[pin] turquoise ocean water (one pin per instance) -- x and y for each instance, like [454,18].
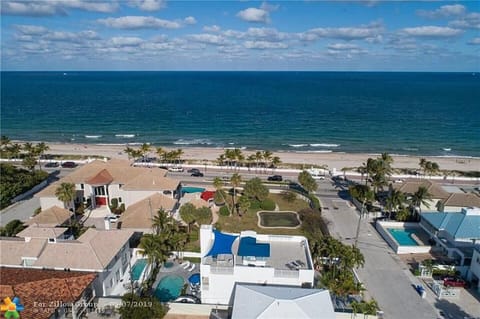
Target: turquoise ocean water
[400,113]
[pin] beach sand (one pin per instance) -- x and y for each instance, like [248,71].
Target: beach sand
[330,160]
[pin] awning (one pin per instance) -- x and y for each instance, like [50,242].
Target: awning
[222,244]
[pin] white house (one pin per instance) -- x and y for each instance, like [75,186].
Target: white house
[249,257]
[99,182]
[106,253]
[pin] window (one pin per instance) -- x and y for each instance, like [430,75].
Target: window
[99,191]
[82,186]
[119,199]
[120,185]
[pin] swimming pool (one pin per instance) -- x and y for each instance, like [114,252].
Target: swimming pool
[169,288]
[189,189]
[403,236]
[138,268]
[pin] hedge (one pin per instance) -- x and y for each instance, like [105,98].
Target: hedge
[224,211]
[267,204]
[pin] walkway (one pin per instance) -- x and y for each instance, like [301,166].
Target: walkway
[385,277]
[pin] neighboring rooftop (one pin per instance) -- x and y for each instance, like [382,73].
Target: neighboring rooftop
[34,231]
[464,225]
[140,214]
[262,302]
[54,216]
[43,287]
[411,187]
[462,200]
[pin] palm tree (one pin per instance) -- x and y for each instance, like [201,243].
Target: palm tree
[421,197]
[275,162]
[161,153]
[250,160]
[129,151]
[145,149]
[230,156]
[422,164]
[243,203]
[258,158]
[235,180]
[395,200]
[239,157]
[221,159]
[161,221]
[218,185]
[40,149]
[178,155]
[267,156]
[65,193]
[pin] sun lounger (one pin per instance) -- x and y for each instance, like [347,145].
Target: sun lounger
[192,267]
[301,263]
[295,264]
[185,265]
[292,266]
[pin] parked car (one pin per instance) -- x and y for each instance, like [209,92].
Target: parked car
[454,282]
[197,174]
[175,169]
[276,178]
[193,170]
[187,299]
[69,165]
[52,164]
[163,167]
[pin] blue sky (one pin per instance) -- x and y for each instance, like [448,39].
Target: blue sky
[337,35]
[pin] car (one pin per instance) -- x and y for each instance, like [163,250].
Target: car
[454,282]
[193,170]
[197,174]
[187,299]
[163,167]
[52,164]
[175,169]
[69,165]
[276,178]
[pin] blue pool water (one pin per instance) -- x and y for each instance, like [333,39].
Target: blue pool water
[169,288]
[138,268]
[189,189]
[403,236]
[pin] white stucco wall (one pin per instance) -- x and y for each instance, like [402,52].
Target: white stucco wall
[48,202]
[112,268]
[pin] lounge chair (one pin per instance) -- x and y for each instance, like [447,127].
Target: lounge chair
[301,263]
[192,267]
[290,266]
[295,264]
[185,264]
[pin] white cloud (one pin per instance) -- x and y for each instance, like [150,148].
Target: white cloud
[264,45]
[139,22]
[431,32]
[347,33]
[342,46]
[31,29]
[208,38]
[126,41]
[474,41]
[265,33]
[469,21]
[213,28]
[190,20]
[269,7]
[54,7]
[443,12]
[147,5]
[254,15]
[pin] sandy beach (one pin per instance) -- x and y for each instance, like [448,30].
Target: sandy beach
[330,160]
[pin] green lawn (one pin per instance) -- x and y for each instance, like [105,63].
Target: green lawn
[249,221]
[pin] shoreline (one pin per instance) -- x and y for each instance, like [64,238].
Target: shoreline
[331,160]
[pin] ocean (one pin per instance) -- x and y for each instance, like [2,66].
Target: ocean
[436,114]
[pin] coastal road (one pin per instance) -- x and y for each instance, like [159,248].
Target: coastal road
[385,277]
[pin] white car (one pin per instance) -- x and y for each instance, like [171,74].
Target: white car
[175,169]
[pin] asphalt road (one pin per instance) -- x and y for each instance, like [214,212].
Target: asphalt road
[385,277]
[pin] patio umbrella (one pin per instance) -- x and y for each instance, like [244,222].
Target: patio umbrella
[194,279]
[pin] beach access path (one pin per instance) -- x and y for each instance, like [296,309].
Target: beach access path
[385,277]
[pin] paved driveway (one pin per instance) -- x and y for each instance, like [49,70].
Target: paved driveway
[385,277]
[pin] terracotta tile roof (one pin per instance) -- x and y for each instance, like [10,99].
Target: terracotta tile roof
[102,178]
[34,231]
[412,186]
[463,200]
[138,216]
[151,179]
[54,216]
[48,287]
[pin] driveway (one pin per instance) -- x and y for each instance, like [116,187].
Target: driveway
[385,277]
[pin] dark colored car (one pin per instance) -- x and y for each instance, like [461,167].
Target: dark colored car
[52,164]
[454,282]
[69,165]
[193,170]
[276,178]
[197,174]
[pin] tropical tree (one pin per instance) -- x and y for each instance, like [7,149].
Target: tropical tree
[221,159]
[423,163]
[129,151]
[307,181]
[219,192]
[203,215]
[12,228]
[162,222]
[255,189]
[275,162]
[395,200]
[250,160]
[421,197]
[29,162]
[131,310]
[65,193]
[258,157]
[235,180]
[267,157]
[187,213]
[243,204]
[40,150]
[145,149]
[161,153]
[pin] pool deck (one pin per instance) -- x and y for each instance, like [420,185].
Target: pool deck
[177,270]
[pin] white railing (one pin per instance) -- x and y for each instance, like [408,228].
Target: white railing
[221,270]
[286,273]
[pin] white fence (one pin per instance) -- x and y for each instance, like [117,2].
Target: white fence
[400,249]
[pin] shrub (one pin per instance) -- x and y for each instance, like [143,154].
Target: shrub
[267,204]
[224,211]
[289,196]
[114,203]
[315,203]
[254,204]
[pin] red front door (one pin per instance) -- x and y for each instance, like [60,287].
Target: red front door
[100,201]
